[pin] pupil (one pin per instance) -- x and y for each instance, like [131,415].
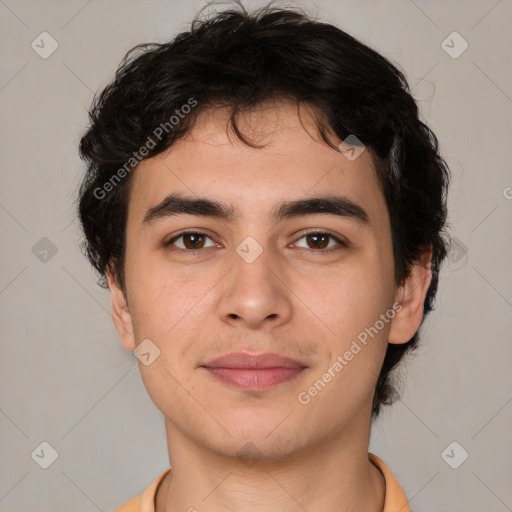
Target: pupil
[194,237]
[316,237]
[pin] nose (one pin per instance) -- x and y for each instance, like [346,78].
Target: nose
[255,294]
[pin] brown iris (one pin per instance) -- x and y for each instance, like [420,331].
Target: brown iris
[195,240]
[316,237]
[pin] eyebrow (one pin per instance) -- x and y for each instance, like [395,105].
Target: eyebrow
[176,204]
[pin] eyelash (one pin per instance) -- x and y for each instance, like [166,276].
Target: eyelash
[168,245]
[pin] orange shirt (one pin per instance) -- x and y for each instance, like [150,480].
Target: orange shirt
[395,500]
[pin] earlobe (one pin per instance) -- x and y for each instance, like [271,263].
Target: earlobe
[121,315]
[411,295]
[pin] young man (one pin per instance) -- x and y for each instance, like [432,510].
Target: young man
[267,211]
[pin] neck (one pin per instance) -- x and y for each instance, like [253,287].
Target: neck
[331,475]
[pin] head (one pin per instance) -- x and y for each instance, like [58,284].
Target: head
[248,110]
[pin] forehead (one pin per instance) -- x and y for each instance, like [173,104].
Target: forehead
[293,164]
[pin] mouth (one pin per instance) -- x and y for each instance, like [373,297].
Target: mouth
[254,372]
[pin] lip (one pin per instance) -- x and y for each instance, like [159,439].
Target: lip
[254,372]
[243,360]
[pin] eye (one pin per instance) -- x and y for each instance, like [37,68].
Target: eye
[192,240]
[319,240]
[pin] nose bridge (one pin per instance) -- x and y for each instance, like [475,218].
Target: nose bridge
[251,269]
[254,292]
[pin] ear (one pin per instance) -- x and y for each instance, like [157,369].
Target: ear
[120,312]
[411,295]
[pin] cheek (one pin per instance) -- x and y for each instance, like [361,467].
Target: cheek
[358,339]
[165,297]
[353,298]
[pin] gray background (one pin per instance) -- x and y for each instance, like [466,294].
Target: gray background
[65,378]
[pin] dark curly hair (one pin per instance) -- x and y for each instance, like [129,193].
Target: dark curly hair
[240,59]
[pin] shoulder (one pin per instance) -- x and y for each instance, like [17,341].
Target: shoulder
[144,502]
[134,505]
[395,499]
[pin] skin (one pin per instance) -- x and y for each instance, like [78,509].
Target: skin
[293,299]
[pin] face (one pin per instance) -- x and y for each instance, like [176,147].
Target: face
[263,269]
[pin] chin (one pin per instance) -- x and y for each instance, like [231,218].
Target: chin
[257,442]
